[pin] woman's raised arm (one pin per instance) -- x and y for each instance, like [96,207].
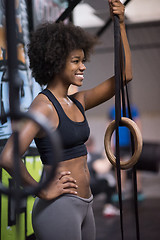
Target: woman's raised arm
[106,90]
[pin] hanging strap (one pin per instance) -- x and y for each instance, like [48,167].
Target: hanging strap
[108,22]
[134,174]
[125,97]
[119,91]
[118,112]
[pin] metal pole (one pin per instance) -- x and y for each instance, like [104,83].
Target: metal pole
[14,81]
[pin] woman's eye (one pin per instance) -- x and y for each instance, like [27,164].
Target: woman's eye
[75,61]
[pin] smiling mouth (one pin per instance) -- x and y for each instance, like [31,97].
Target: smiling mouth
[80,76]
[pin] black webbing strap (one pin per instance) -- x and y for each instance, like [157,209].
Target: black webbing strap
[134,175]
[118,111]
[108,22]
[125,97]
[68,10]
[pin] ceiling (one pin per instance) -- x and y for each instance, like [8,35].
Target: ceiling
[94,13]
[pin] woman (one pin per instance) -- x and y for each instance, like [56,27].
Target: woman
[63,210]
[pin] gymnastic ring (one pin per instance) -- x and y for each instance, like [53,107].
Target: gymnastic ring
[137,140]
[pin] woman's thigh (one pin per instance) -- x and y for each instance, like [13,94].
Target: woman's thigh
[88,226]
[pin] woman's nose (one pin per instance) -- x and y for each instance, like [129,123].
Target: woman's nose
[82,67]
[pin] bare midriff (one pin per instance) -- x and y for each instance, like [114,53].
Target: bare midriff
[79,171]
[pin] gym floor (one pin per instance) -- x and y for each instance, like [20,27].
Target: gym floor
[149,214]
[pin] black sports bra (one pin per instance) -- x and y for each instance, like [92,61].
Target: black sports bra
[73,134]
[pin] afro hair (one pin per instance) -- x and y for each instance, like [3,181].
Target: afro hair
[50,46]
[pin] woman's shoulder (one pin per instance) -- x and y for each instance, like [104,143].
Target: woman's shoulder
[41,104]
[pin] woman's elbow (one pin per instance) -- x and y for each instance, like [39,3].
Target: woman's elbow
[5,162]
[129,76]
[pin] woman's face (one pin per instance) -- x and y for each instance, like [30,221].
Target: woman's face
[74,69]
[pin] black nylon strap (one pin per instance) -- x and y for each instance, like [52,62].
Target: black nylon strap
[108,22]
[134,174]
[125,97]
[118,112]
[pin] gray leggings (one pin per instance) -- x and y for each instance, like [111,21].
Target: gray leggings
[69,217]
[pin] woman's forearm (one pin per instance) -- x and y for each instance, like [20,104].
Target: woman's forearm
[127,52]
[26,178]
[7,162]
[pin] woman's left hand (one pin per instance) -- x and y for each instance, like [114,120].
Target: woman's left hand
[116,7]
